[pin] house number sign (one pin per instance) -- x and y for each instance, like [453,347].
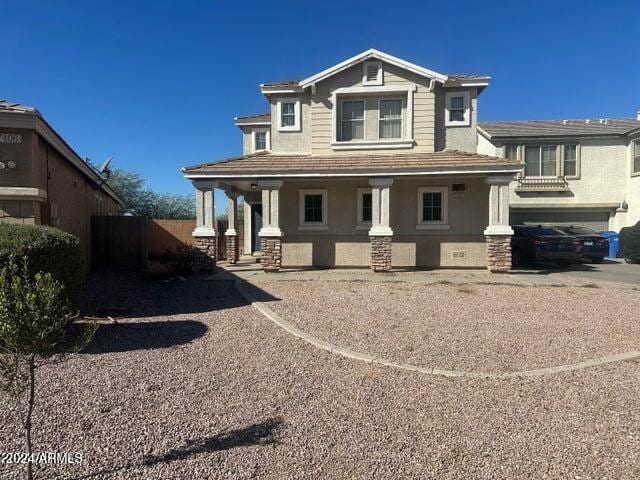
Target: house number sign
[10,138]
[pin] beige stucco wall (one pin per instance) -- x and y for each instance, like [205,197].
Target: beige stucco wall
[485,147]
[291,141]
[633,187]
[342,244]
[462,137]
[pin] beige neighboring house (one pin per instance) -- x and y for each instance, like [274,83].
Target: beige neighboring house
[577,172]
[371,162]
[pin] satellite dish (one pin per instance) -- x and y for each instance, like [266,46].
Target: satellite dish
[104,168]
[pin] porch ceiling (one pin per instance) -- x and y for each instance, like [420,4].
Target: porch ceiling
[270,165]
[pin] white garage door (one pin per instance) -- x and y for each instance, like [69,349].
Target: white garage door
[596,219]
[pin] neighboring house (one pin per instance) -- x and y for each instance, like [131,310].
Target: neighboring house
[371,162]
[579,172]
[43,181]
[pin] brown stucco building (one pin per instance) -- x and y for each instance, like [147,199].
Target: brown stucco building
[43,181]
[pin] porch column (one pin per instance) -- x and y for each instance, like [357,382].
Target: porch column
[205,233]
[498,233]
[380,234]
[270,233]
[232,246]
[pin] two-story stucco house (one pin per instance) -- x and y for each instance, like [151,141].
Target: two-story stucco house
[580,172]
[371,162]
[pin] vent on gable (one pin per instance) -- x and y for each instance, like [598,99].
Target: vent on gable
[458,254]
[372,73]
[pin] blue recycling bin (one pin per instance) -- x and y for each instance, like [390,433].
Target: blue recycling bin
[613,243]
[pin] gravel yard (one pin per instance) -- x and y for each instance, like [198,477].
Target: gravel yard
[194,383]
[488,328]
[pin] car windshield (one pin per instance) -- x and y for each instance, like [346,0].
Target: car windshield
[579,230]
[543,231]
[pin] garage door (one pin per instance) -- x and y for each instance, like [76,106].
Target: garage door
[598,220]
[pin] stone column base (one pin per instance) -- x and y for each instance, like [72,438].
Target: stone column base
[380,254]
[271,253]
[499,253]
[205,259]
[232,249]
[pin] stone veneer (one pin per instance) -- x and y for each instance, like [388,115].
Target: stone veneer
[232,249]
[380,254]
[498,253]
[270,253]
[205,259]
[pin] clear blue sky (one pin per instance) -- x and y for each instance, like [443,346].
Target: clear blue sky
[156,83]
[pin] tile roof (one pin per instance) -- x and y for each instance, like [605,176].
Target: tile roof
[284,83]
[249,119]
[457,77]
[560,128]
[7,106]
[266,163]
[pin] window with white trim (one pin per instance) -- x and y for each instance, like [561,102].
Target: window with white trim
[636,156]
[372,73]
[352,120]
[511,152]
[288,110]
[390,118]
[570,161]
[365,207]
[457,109]
[540,161]
[313,209]
[260,139]
[433,206]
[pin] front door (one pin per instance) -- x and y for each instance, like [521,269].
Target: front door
[256,225]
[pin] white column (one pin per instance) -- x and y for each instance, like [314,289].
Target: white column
[270,208]
[380,188]
[205,209]
[499,205]
[232,215]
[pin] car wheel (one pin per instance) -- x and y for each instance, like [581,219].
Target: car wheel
[597,260]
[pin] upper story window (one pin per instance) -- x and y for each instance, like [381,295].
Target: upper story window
[540,161]
[390,119]
[372,73]
[636,156]
[288,114]
[432,207]
[457,109]
[260,140]
[352,123]
[511,152]
[313,209]
[570,161]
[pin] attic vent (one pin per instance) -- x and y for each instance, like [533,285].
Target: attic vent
[372,73]
[458,254]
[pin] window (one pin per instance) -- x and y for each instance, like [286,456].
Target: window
[352,124]
[260,139]
[390,119]
[540,161]
[313,210]
[365,204]
[432,207]
[288,114]
[570,161]
[372,73]
[511,152]
[457,109]
[636,156]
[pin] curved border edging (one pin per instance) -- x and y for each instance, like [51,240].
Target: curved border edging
[363,357]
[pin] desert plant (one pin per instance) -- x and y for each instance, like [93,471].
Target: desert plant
[35,317]
[180,262]
[47,250]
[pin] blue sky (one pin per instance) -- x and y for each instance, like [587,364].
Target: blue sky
[157,83]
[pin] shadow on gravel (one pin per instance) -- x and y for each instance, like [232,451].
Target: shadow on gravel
[263,433]
[125,337]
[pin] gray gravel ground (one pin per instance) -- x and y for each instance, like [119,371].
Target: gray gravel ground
[488,328]
[220,392]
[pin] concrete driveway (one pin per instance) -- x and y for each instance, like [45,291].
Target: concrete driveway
[608,271]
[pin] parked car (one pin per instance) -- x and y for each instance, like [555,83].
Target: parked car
[592,245]
[629,244]
[530,244]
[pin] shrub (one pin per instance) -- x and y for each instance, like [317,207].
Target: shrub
[180,262]
[48,250]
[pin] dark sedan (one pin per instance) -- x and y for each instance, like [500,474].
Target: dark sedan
[531,244]
[592,245]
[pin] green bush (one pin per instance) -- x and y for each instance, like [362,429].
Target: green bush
[47,250]
[180,262]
